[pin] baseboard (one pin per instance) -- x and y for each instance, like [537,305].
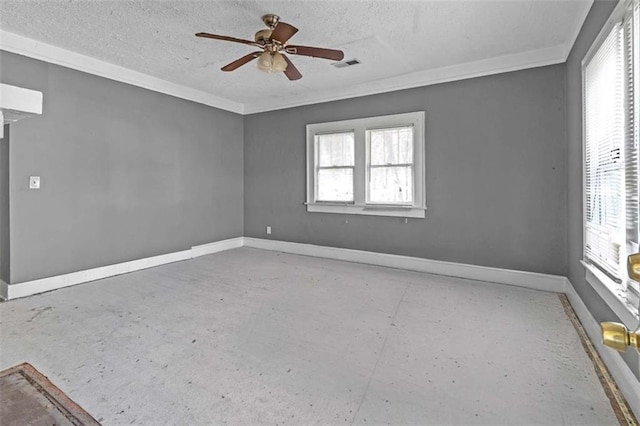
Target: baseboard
[4,292]
[620,371]
[29,288]
[622,374]
[217,246]
[531,280]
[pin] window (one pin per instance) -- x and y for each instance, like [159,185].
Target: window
[611,108]
[371,166]
[335,167]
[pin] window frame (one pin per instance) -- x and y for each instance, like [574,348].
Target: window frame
[612,292]
[360,127]
[370,166]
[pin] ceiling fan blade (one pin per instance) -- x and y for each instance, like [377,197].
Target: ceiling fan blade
[283,32]
[240,62]
[291,72]
[316,52]
[227,38]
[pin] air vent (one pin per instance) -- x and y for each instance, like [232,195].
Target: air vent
[347,63]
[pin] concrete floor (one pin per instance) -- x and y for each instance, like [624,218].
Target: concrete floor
[250,336]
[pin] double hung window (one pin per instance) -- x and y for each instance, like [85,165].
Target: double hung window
[371,166]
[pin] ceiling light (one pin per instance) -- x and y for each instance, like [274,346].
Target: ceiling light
[272,62]
[265,62]
[279,63]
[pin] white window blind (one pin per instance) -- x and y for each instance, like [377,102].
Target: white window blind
[604,140]
[335,162]
[611,172]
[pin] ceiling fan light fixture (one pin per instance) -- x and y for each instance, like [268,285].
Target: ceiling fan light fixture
[279,63]
[265,62]
[272,62]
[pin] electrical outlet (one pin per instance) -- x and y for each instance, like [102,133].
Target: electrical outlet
[268,230]
[34,182]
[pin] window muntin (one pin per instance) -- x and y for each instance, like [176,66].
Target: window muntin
[385,175]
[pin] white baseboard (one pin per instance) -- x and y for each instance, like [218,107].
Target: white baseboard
[532,280]
[29,288]
[620,371]
[622,374]
[4,292]
[217,246]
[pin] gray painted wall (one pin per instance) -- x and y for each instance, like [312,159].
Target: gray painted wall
[495,174]
[127,173]
[4,207]
[598,15]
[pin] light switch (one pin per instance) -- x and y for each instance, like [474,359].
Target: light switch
[34,182]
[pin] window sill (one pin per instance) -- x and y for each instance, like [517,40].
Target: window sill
[371,210]
[610,293]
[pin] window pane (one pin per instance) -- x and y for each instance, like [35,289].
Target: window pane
[335,184]
[392,185]
[391,146]
[336,149]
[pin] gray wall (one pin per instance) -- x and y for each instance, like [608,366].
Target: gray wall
[495,174]
[4,207]
[127,173]
[595,20]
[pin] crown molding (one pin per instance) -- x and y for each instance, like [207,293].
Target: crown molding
[497,65]
[575,31]
[31,48]
[25,46]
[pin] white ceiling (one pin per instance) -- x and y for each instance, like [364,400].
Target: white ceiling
[400,43]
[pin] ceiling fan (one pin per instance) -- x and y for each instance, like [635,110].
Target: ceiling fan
[273,42]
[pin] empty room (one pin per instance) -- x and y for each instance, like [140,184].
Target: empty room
[330,212]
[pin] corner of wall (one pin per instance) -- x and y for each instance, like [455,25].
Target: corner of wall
[5,237]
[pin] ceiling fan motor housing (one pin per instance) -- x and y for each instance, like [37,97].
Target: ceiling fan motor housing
[263,36]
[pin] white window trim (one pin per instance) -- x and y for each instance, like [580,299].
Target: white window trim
[359,206]
[608,289]
[609,292]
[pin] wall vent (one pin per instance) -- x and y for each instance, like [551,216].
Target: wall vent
[347,63]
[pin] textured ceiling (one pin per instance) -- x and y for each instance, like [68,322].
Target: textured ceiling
[391,38]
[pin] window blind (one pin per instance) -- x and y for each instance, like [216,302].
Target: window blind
[604,78]
[611,111]
[631,153]
[335,164]
[632,67]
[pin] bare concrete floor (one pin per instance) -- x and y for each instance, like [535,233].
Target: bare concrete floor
[249,336]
